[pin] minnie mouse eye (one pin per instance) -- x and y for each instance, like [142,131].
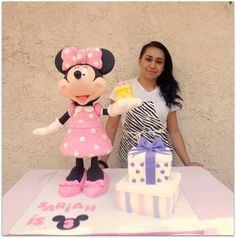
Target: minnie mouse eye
[84,72]
[77,74]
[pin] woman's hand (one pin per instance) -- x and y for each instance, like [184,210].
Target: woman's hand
[195,164]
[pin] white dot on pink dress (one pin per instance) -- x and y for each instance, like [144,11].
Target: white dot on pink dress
[91,116]
[82,139]
[96,147]
[93,130]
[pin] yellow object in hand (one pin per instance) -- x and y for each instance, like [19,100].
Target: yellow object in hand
[123,91]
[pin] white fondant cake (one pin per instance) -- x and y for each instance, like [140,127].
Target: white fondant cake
[150,187]
[156,200]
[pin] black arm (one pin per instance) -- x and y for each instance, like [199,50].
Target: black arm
[105,111]
[64,118]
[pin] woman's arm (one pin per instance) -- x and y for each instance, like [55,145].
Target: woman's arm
[111,129]
[177,140]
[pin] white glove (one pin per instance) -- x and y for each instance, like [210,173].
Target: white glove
[123,105]
[52,128]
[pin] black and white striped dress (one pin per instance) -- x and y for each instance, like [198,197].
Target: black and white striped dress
[147,120]
[141,121]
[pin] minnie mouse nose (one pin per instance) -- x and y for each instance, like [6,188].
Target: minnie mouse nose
[77,74]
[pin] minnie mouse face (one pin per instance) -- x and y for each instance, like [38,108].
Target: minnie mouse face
[83,83]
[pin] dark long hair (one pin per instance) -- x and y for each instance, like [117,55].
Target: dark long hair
[168,85]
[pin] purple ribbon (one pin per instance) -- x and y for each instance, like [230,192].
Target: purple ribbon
[156,146]
[151,149]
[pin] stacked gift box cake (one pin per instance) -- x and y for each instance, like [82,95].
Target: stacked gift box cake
[150,187]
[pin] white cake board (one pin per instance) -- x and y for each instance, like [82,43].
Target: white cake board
[104,218]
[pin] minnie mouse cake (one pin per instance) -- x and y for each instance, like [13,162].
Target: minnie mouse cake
[66,204]
[83,84]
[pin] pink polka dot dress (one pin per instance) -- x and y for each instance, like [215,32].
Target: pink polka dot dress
[86,135]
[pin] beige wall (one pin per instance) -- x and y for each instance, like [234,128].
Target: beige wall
[199,36]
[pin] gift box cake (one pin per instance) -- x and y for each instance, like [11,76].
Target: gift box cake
[150,187]
[149,163]
[122,90]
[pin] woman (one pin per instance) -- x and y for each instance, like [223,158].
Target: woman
[156,116]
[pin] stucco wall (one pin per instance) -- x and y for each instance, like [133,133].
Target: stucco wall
[199,36]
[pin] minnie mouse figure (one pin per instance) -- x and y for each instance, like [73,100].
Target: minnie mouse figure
[83,84]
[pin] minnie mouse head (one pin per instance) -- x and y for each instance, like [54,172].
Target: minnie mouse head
[83,73]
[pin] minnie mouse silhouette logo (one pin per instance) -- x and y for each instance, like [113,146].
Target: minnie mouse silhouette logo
[69,223]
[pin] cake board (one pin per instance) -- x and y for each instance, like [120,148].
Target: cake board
[103,216]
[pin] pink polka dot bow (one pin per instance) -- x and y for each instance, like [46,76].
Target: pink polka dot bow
[72,56]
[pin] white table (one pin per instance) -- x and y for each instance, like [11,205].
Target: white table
[211,201]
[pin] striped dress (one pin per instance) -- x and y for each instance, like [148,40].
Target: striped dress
[142,121]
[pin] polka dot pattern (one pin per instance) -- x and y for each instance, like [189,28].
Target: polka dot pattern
[72,56]
[86,135]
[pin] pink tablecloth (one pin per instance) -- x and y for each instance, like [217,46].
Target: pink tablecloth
[209,198]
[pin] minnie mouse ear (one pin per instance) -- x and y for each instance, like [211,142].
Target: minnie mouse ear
[58,62]
[108,61]
[58,218]
[82,217]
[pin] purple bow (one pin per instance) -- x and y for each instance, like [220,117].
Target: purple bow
[156,146]
[150,149]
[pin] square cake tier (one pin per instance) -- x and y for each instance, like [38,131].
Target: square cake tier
[155,200]
[149,167]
